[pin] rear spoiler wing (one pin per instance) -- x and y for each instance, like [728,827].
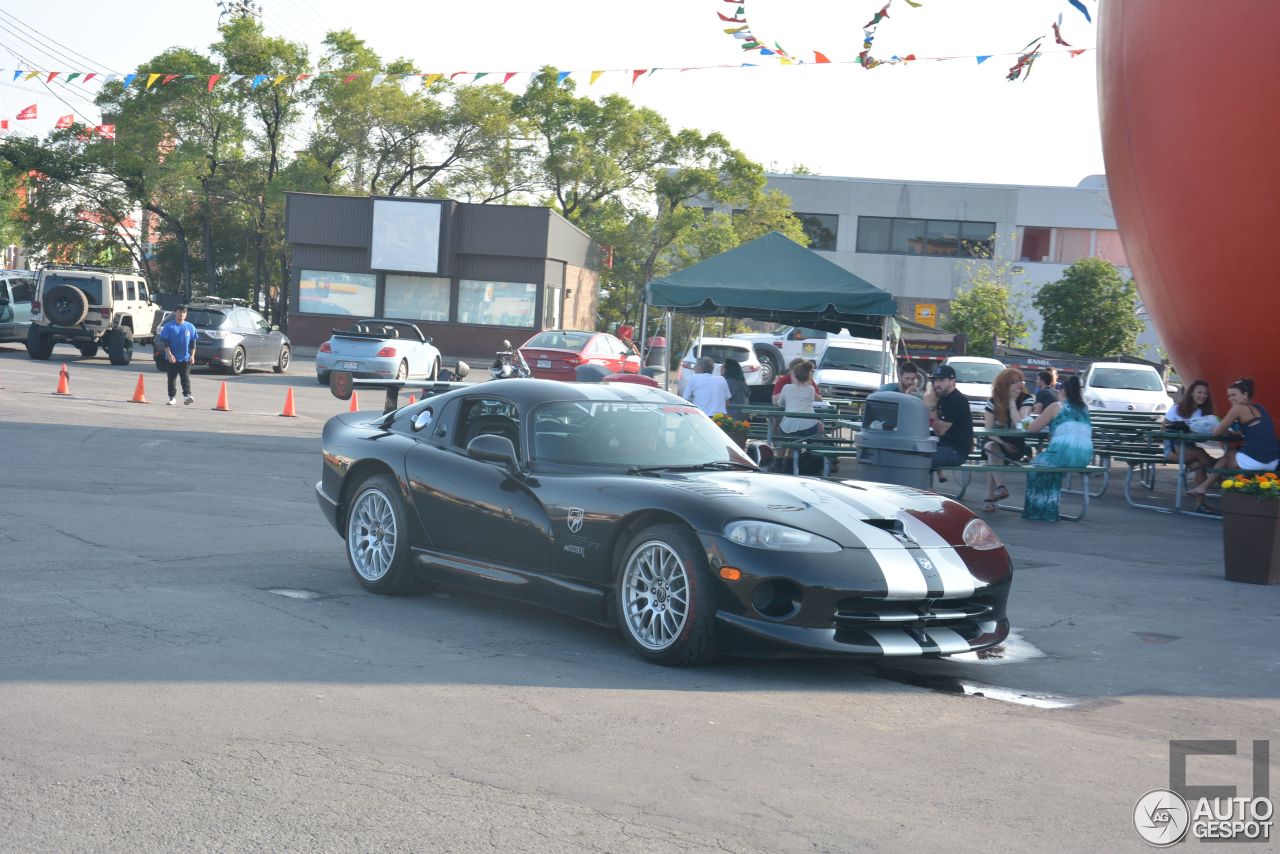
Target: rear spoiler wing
[343,385]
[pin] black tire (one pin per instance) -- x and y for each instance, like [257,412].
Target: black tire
[377,568]
[162,365]
[402,372]
[119,344]
[435,371]
[88,349]
[39,343]
[65,305]
[282,364]
[238,360]
[692,641]
[322,377]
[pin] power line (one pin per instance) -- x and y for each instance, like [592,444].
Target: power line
[95,66]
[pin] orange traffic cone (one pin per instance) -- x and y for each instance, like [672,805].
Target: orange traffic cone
[64,382]
[289,411]
[355,403]
[412,400]
[139,392]
[223,405]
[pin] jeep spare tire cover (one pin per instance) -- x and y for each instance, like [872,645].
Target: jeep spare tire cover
[66,305]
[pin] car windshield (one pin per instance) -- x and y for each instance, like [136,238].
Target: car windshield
[849,359]
[92,287]
[205,319]
[624,434]
[1126,378]
[976,372]
[721,352]
[560,340]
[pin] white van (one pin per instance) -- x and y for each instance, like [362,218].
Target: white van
[1125,387]
[852,366]
[974,376]
[16,289]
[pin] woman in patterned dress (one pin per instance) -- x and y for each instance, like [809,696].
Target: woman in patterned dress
[1071,445]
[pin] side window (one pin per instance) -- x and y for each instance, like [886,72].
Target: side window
[142,291]
[444,422]
[242,321]
[131,288]
[486,416]
[21,290]
[117,289]
[258,321]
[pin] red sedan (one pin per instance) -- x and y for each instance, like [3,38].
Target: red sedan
[557,353]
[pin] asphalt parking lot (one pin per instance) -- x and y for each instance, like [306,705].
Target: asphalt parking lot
[185,663]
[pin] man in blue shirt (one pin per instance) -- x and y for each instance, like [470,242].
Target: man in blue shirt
[178,337]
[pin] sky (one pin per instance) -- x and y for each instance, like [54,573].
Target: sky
[951,120]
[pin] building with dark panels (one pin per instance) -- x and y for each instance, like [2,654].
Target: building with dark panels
[467,275]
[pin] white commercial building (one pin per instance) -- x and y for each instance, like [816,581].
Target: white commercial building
[919,239]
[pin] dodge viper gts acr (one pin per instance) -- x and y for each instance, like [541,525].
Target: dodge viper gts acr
[625,505]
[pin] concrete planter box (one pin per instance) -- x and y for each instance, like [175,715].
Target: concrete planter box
[1251,539]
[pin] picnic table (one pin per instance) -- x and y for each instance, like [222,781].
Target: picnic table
[1181,440]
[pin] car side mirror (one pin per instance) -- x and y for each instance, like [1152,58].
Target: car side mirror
[1170,388]
[494,449]
[275,327]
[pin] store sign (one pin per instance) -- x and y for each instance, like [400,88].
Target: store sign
[927,313]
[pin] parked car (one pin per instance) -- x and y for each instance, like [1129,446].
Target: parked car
[379,349]
[622,504]
[852,366]
[974,376]
[722,349]
[1124,386]
[776,349]
[233,338]
[91,307]
[17,287]
[554,354]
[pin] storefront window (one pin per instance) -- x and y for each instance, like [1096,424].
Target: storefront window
[416,298]
[497,303]
[347,294]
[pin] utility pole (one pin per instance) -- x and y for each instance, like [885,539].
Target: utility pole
[238,9]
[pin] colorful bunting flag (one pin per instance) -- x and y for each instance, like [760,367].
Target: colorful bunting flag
[65,121]
[982,59]
[351,78]
[128,78]
[457,73]
[213,81]
[1083,10]
[31,74]
[52,74]
[428,79]
[16,75]
[595,75]
[637,74]
[1075,53]
[506,78]
[106,131]
[169,78]
[280,78]
[26,113]
[818,57]
[4,124]
[233,79]
[378,78]
[72,76]
[479,74]
[562,76]
[1057,35]
[151,80]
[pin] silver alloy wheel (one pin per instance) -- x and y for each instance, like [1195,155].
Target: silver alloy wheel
[371,535]
[285,355]
[237,361]
[655,595]
[402,372]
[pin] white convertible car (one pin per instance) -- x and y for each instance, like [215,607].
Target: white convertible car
[374,348]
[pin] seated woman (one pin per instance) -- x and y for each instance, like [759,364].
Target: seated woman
[1008,405]
[1196,402]
[1071,445]
[739,391]
[1260,451]
[797,396]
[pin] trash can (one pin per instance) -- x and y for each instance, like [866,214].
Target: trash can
[894,445]
[657,357]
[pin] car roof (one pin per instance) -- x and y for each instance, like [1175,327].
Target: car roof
[723,342]
[855,344]
[983,360]
[1128,366]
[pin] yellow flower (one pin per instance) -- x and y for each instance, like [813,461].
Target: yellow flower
[1228,484]
[1266,484]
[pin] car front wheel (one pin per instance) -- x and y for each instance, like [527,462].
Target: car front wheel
[378,537]
[665,598]
[283,364]
[119,343]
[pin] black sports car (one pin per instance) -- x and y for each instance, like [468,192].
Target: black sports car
[623,504]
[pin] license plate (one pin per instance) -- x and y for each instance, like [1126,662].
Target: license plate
[350,366]
[544,363]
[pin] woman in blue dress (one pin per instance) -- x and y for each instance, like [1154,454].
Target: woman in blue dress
[1071,445]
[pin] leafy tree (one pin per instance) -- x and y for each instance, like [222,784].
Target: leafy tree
[986,308]
[1091,311]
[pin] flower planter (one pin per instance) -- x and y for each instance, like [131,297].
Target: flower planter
[1251,538]
[738,436]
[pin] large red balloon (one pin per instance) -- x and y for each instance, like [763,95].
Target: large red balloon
[1190,100]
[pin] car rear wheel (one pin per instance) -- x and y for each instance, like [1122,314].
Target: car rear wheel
[161,364]
[322,377]
[377,537]
[237,361]
[402,372]
[283,364]
[665,598]
[435,371]
[39,343]
[88,350]
[119,344]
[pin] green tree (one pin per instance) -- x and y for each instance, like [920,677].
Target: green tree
[1091,311]
[987,306]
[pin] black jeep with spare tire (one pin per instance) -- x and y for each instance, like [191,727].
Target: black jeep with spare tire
[91,307]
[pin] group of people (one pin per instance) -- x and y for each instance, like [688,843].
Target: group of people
[714,393]
[1259,450]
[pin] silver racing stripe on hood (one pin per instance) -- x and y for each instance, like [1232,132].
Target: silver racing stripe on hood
[903,577]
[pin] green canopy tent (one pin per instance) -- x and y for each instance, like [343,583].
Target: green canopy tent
[774,278]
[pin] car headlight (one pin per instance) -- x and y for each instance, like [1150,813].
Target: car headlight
[979,535]
[768,535]
[825,389]
[1091,400]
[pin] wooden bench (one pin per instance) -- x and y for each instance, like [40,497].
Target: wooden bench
[969,469]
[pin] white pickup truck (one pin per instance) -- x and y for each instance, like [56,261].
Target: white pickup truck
[776,349]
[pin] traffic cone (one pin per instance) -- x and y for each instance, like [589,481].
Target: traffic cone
[289,411]
[412,400]
[64,382]
[139,392]
[355,403]
[222,405]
